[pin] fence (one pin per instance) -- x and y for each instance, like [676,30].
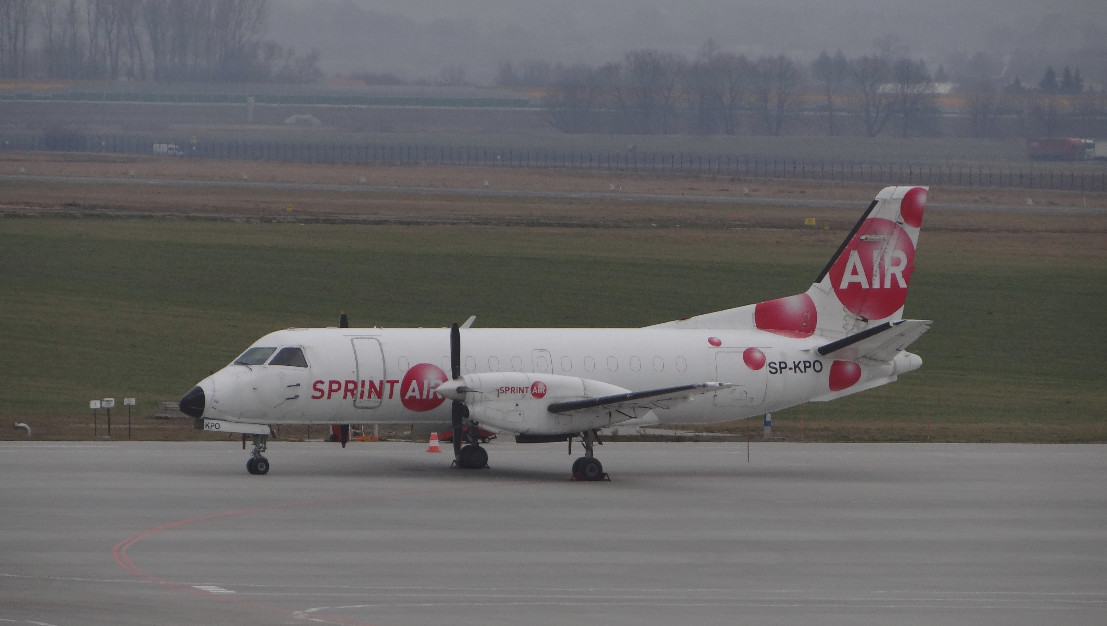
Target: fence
[1077,176]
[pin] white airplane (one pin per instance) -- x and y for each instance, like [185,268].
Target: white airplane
[845,334]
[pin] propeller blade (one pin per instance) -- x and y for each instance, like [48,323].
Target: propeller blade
[455,352]
[458,410]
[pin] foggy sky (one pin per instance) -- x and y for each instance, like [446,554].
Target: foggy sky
[416,39]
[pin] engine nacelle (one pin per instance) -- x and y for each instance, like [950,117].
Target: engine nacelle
[517,401]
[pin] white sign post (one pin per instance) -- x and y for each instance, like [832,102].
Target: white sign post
[94,404]
[108,403]
[128,402]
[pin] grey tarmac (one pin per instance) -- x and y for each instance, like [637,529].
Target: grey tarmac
[684,533]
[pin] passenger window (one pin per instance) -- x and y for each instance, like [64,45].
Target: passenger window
[290,357]
[255,356]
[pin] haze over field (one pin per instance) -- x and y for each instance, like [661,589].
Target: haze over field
[418,39]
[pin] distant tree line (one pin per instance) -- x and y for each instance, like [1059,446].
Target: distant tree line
[160,40]
[655,92]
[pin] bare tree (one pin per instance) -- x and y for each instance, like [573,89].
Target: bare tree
[870,73]
[650,90]
[982,104]
[982,97]
[579,95]
[157,24]
[136,54]
[831,74]
[719,84]
[237,25]
[109,20]
[706,88]
[912,94]
[15,23]
[775,80]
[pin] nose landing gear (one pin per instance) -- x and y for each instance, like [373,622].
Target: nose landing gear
[258,464]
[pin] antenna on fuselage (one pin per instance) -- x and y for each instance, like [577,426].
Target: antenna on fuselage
[343,322]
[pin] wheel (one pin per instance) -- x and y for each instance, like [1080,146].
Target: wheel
[257,466]
[473,457]
[588,468]
[576,466]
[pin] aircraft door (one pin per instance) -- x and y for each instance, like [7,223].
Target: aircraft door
[749,384]
[369,360]
[541,361]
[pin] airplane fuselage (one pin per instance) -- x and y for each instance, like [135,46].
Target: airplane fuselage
[389,376]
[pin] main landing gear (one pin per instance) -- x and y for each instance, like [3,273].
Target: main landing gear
[588,467]
[258,464]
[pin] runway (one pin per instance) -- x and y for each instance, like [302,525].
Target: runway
[386,534]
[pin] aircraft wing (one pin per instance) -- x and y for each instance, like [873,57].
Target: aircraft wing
[628,402]
[880,343]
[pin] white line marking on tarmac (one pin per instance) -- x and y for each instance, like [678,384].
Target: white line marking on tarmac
[214,589]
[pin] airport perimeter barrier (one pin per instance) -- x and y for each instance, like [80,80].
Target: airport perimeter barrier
[1089,176]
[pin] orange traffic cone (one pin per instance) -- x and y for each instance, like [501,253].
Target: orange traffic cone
[433,447]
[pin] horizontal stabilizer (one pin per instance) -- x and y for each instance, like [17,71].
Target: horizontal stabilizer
[635,399]
[880,343]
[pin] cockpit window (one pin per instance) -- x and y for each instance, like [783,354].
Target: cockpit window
[292,357]
[255,356]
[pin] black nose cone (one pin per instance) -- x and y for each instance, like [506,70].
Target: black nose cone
[193,403]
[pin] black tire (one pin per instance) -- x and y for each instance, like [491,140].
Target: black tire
[252,466]
[473,457]
[590,469]
[576,466]
[262,466]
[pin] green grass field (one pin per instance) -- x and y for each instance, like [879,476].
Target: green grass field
[97,308]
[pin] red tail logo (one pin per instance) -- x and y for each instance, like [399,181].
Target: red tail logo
[872,273]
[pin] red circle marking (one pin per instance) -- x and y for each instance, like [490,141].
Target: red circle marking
[844,374]
[873,271]
[754,358]
[715,341]
[912,205]
[538,389]
[794,316]
[417,388]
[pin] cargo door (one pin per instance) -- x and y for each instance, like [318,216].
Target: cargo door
[749,384]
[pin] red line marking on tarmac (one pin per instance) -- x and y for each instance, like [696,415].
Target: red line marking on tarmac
[123,559]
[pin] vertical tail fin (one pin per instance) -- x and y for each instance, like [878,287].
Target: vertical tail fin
[864,284]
